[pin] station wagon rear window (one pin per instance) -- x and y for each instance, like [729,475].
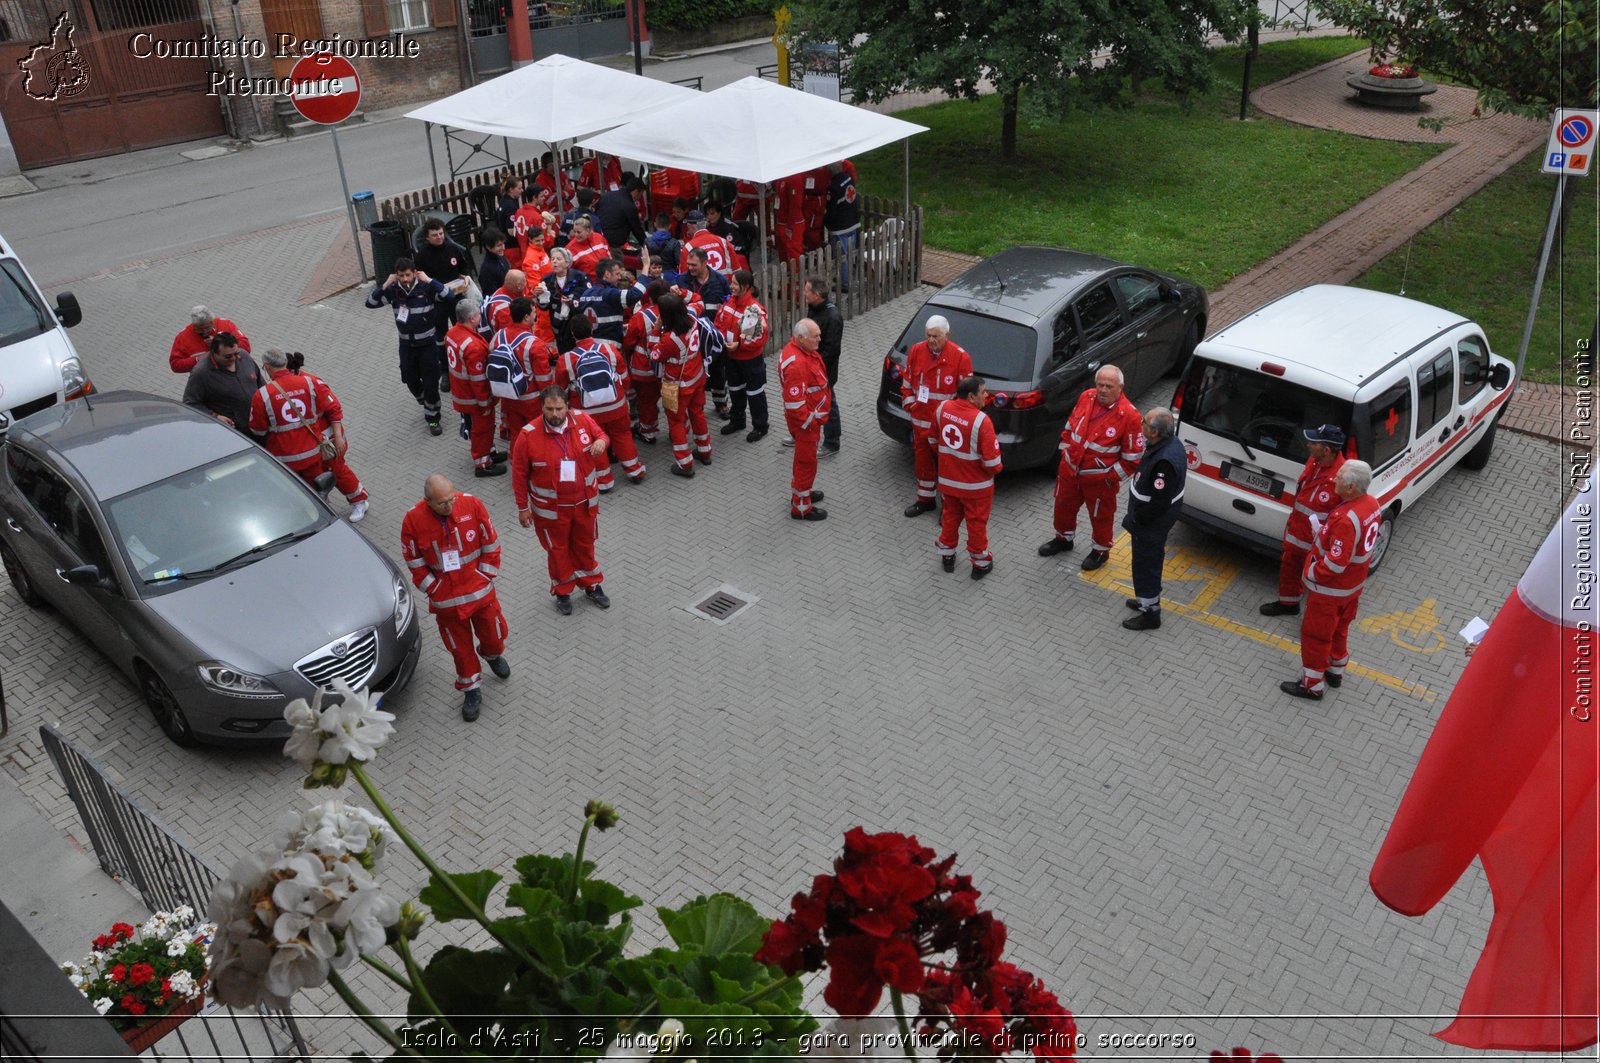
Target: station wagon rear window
[1000,350]
[1262,411]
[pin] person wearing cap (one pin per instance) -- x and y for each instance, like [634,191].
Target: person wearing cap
[1314,499]
[194,341]
[1335,572]
[1155,499]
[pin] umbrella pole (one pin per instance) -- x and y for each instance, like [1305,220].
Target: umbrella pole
[905,178]
[761,219]
[555,164]
[433,165]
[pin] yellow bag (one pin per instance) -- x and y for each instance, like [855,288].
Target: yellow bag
[669,395]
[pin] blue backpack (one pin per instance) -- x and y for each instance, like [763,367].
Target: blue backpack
[593,371]
[712,344]
[507,380]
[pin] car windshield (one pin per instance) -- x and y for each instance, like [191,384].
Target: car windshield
[1001,350]
[1261,411]
[21,316]
[212,517]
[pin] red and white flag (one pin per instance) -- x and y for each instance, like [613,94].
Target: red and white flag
[1509,775]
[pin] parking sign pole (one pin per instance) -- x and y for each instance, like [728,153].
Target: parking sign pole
[1538,277]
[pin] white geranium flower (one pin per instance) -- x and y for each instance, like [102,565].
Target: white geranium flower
[354,729]
[103,1005]
[177,947]
[304,742]
[183,914]
[238,978]
[183,984]
[335,829]
[364,918]
[294,966]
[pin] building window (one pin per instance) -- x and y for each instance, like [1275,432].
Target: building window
[407,15]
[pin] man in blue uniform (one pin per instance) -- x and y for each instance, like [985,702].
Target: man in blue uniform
[1154,502]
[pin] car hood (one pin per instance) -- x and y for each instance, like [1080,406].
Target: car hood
[265,616]
[30,368]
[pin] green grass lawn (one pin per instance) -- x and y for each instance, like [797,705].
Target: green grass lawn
[1197,193]
[1480,259]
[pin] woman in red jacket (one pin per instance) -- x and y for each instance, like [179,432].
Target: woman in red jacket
[296,412]
[677,351]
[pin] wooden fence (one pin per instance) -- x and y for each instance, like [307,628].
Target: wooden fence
[463,195]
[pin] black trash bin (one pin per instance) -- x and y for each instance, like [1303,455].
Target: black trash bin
[388,244]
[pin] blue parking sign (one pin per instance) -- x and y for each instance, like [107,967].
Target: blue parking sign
[1557,159]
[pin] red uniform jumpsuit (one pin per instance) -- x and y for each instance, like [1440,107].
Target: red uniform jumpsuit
[815,205]
[277,410]
[529,234]
[612,417]
[680,361]
[806,403]
[563,498]
[789,213]
[746,201]
[747,370]
[469,388]
[719,254]
[454,561]
[535,358]
[1100,448]
[927,380]
[188,347]
[547,200]
[1313,494]
[638,341]
[586,254]
[1335,572]
[591,177]
[969,458]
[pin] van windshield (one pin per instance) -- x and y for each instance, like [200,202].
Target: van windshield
[1000,350]
[1263,412]
[21,316]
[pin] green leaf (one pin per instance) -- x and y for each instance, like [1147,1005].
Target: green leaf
[721,923]
[603,899]
[535,900]
[469,986]
[549,872]
[443,903]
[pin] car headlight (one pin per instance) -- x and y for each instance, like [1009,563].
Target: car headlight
[402,604]
[226,679]
[73,382]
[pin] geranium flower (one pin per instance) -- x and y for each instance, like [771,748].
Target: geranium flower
[141,974]
[104,1004]
[352,729]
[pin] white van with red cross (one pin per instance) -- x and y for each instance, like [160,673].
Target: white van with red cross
[1415,388]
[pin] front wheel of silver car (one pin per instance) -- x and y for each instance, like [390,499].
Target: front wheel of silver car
[168,713]
[19,579]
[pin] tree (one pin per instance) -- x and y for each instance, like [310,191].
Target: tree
[1061,53]
[1523,56]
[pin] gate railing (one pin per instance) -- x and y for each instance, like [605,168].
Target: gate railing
[132,845]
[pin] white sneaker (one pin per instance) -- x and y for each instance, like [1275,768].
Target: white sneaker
[788,441]
[358,511]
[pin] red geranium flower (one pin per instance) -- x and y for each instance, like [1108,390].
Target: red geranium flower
[104,941]
[854,987]
[133,1005]
[141,974]
[122,930]
[118,973]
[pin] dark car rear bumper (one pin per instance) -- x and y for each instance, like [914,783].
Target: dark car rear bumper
[1024,444]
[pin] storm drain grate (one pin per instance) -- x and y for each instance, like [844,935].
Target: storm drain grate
[722,604]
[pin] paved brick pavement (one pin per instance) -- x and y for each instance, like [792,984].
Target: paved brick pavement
[1175,845]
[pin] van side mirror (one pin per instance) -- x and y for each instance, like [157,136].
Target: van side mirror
[67,310]
[1500,376]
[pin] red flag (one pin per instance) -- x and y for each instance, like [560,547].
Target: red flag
[1509,775]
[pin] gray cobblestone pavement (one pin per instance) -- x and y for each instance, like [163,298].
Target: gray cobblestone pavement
[1176,846]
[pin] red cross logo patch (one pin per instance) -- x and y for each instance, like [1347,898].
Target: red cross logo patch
[1391,422]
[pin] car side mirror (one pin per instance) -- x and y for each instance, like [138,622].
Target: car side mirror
[88,576]
[1500,376]
[1169,294]
[67,310]
[323,484]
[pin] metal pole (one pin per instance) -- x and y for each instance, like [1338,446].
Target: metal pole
[465,17]
[1538,277]
[638,43]
[238,30]
[761,218]
[555,163]
[905,177]
[1249,59]
[433,165]
[349,205]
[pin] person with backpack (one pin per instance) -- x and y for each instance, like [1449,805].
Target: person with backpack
[704,283]
[304,426]
[519,368]
[683,384]
[415,298]
[596,381]
[742,320]
[468,357]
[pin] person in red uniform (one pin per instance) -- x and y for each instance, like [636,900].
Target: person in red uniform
[933,369]
[604,400]
[1100,448]
[639,342]
[497,307]
[742,320]
[451,549]
[294,410]
[789,216]
[531,351]
[545,181]
[586,246]
[603,173]
[468,357]
[534,232]
[1314,496]
[746,201]
[678,353]
[814,205]
[969,459]
[720,255]
[555,469]
[1335,572]
[194,342]
[806,401]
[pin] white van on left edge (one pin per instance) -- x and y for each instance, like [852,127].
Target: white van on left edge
[39,367]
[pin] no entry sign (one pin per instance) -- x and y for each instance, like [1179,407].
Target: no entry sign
[326,88]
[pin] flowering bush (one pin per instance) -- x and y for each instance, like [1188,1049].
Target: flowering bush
[555,982]
[1393,70]
[139,972]
[879,920]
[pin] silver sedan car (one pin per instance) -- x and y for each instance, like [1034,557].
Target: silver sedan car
[206,571]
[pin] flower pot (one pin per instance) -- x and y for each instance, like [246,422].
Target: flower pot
[148,1032]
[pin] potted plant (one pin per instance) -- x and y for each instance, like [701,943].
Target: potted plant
[149,978]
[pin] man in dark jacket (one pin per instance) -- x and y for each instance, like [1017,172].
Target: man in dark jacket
[415,298]
[1154,502]
[222,383]
[820,308]
[618,215]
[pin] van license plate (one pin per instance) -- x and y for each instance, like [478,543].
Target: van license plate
[1255,481]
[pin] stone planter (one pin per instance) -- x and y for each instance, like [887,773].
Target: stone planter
[1395,94]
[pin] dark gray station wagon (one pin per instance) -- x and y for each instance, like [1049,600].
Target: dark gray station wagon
[1038,322]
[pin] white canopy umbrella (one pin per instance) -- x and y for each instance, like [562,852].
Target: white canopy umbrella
[755,130]
[555,100]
